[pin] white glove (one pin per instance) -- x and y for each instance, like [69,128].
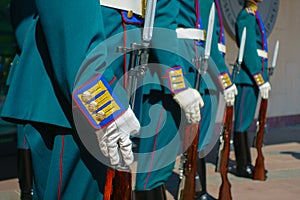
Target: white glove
[114,139]
[264,90]
[229,94]
[190,101]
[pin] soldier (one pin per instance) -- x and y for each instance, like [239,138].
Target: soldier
[51,133]
[43,133]
[196,14]
[251,80]
[165,92]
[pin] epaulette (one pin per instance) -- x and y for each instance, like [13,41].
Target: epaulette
[250,10]
[176,79]
[97,102]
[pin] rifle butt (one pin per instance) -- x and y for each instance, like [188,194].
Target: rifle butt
[259,169]
[225,191]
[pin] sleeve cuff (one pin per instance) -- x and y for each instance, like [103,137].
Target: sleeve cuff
[258,78]
[176,80]
[225,80]
[97,102]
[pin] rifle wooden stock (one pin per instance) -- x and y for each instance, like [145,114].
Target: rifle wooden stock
[117,185]
[225,192]
[191,137]
[259,169]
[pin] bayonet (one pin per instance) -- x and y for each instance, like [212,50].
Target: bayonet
[139,53]
[149,21]
[272,67]
[242,46]
[203,61]
[209,31]
[237,66]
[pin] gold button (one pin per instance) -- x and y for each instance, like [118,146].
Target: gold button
[130,14]
[100,116]
[86,96]
[92,106]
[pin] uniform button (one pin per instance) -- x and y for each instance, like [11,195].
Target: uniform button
[130,14]
[86,96]
[92,106]
[100,116]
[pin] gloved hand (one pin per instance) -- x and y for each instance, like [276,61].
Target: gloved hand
[229,94]
[114,139]
[190,101]
[264,90]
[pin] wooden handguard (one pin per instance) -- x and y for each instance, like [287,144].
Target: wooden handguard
[259,169]
[225,192]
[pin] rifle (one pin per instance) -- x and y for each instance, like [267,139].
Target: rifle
[118,183]
[224,147]
[259,168]
[187,184]
[224,191]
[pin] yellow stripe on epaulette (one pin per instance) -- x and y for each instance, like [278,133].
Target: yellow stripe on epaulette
[258,78]
[176,79]
[225,80]
[97,102]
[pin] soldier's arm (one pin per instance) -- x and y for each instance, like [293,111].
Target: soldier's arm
[166,46]
[74,34]
[217,63]
[75,38]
